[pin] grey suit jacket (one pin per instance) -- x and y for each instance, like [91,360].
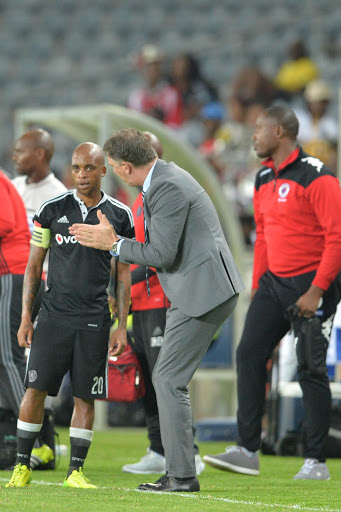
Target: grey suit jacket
[186,243]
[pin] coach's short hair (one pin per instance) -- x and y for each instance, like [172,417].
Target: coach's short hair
[130,145]
[286,117]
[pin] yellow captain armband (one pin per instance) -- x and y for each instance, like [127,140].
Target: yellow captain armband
[41,237]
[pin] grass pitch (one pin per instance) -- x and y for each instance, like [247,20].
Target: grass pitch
[274,490]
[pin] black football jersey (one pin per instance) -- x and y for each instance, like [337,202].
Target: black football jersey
[78,276]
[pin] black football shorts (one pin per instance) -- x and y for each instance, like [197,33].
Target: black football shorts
[57,348]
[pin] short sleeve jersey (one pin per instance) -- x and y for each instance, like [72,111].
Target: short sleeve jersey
[78,276]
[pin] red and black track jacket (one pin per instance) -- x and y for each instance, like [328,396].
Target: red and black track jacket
[139,296]
[14,232]
[298,220]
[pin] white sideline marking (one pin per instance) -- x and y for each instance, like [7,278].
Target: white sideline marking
[201,497]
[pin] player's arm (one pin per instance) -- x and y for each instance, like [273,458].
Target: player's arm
[118,339]
[39,245]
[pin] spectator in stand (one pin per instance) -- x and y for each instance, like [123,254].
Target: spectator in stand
[149,321]
[156,98]
[195,91]
[250,92]
[319,131]
[297,72]
[213,115]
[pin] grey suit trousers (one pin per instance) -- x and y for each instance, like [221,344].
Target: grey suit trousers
[186,340]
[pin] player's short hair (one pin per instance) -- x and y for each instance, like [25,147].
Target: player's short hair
[286,117]
[130,145]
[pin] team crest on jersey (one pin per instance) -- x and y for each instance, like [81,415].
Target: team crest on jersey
[283,191]
[32,376]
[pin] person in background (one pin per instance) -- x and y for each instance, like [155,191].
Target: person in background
[149,321]
[195,92]
[212,115]
[295,73]
[14,253]
[297,258]
[76,298]
[156,97]
[319,130]
[36,183]
[186,244]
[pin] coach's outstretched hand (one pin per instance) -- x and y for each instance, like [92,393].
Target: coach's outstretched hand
[98,236]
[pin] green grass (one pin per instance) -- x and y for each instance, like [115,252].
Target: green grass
[220,491]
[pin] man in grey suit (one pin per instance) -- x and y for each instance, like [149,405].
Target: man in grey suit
[186,244]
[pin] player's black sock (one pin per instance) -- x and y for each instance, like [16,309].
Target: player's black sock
[27,433]
[80,440]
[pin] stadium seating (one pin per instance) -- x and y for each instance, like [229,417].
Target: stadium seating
[68,52]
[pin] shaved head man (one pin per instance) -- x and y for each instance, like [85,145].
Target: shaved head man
[32,154]
[76,299]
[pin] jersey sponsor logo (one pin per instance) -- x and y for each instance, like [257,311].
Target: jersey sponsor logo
[32,376]
[63,220]
[314,162]
[62,239]
[283,191]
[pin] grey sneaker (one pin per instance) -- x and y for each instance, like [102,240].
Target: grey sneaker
[236,459]
[151,463]
[199,465]
[312,469]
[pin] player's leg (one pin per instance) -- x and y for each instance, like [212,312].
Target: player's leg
[80,440]
[29,424]
[89,381]
[49,359]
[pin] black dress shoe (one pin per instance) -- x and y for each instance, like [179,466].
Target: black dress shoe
[171,484]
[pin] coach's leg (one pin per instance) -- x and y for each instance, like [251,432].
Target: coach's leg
[185,342]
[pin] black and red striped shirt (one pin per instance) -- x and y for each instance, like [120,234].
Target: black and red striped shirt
[14,233]
[298,220]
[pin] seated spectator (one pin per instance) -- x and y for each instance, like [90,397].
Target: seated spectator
[298,71]
[156,97]
[195,92]
[318,132]
[213,115]
[194,89]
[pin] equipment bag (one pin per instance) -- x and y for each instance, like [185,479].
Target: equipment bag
[125,379]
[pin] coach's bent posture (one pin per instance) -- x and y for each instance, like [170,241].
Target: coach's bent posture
[74,321]
[185,243]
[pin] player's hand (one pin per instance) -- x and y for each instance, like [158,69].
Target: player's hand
[98,236]
[25,334]
[118,342]
[309,301]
